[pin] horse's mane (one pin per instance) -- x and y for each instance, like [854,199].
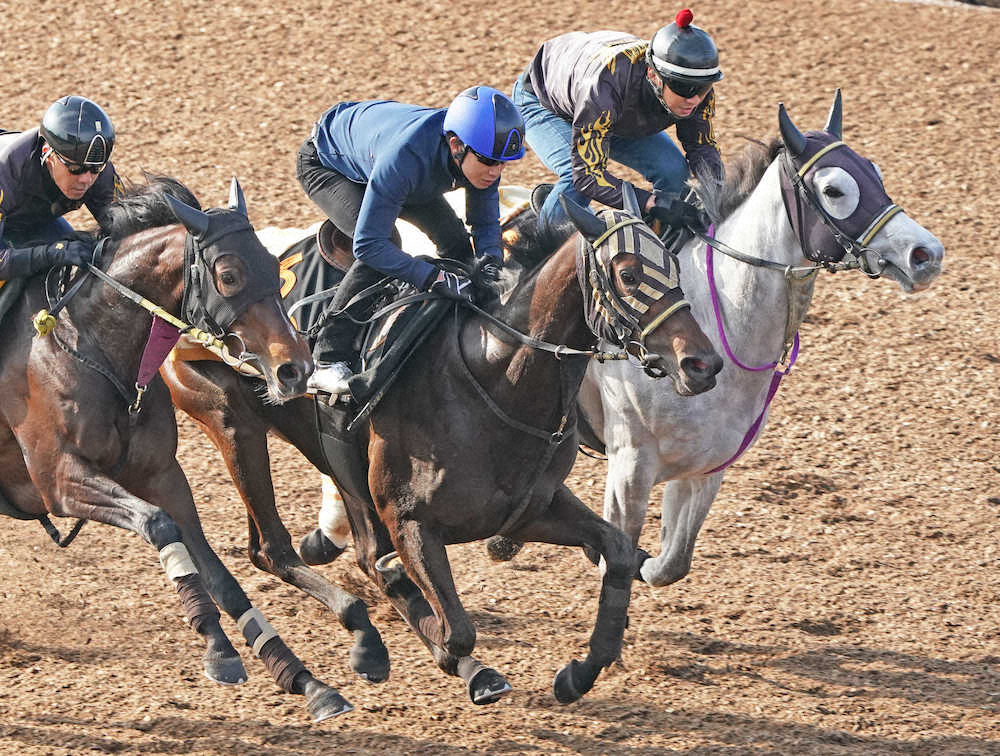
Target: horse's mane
[145,206]
[743,173]
[528,245]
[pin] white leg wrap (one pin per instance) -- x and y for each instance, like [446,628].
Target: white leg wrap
[266,631]
[333,520]
[176,561]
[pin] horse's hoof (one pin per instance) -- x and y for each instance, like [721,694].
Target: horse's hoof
[488,686]
[370,658]
[570,683]
[325,703]
[316,548]
[502,549]
[225,670]
[641,555]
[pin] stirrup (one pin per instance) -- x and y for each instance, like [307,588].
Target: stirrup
[330,378]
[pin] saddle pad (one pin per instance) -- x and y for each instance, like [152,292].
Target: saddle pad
[388,345]
[304,272]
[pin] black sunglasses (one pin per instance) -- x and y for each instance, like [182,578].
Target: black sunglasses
[75,169]
[488,162]
[687,89]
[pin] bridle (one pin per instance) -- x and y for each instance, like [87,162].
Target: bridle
[854,252]
[611,316]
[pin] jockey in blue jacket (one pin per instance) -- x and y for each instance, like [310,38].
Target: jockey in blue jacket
[47,172]
[368,163]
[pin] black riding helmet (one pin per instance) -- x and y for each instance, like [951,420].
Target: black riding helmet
[684,56]
[79,130]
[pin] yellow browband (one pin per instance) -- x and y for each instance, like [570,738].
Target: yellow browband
[809,163]
[620,224]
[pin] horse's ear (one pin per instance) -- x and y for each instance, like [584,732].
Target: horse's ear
[585,221]
[237,201]
[630,203]
[792,137]
[834,121]
[195,221]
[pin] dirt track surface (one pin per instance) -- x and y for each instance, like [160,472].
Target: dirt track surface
[844,594]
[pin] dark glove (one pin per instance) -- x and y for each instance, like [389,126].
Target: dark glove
[677,213]
[453,286]
[26,261]
[489,269]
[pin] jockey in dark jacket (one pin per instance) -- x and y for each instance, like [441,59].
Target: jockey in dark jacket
[588,98]
[47,172]
[369,163]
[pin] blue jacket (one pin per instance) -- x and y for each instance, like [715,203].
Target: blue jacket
[399,151]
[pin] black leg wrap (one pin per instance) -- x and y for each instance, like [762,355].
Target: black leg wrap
[283,665]
[198,605]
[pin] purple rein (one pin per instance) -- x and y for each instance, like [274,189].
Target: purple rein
[775,379]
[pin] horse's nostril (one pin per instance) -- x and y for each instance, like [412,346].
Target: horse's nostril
[289,373]
[920,256]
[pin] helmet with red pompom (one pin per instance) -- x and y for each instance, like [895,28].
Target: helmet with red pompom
[683,53]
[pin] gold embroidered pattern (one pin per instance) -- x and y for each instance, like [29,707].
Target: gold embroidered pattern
[591,148]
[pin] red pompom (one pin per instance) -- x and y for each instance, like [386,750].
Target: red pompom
[684,18]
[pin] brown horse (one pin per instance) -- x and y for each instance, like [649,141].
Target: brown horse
[475,438]
[79,441]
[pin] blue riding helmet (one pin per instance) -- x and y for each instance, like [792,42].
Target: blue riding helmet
[487,122]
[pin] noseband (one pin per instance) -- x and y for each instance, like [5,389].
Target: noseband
[613,317]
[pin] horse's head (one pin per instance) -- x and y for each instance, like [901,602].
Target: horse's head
[838,208]
[633,297]
[231,286]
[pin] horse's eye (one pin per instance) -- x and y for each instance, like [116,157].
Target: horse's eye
[228,278]
[628,277]
[832,192]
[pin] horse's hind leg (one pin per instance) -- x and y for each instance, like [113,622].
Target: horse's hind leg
[686,503]
[569,522]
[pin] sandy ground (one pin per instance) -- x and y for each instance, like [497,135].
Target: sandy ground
[844,593]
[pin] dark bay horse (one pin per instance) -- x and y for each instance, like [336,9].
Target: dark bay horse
[78,441]
[475,438]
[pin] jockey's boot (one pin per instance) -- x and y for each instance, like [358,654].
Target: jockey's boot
[335,345]
[331,377]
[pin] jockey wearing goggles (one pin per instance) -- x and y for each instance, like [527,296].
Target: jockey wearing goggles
[588,98]
[47,172]
[368,163]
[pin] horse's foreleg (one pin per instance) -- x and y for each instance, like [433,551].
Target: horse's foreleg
[90,495]
[686,503]
[569,522]
[286,668]
[631,475]
[232,424]
[425,595]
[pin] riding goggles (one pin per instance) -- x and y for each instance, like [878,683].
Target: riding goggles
[687,89]
[75,169]
[488,162]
